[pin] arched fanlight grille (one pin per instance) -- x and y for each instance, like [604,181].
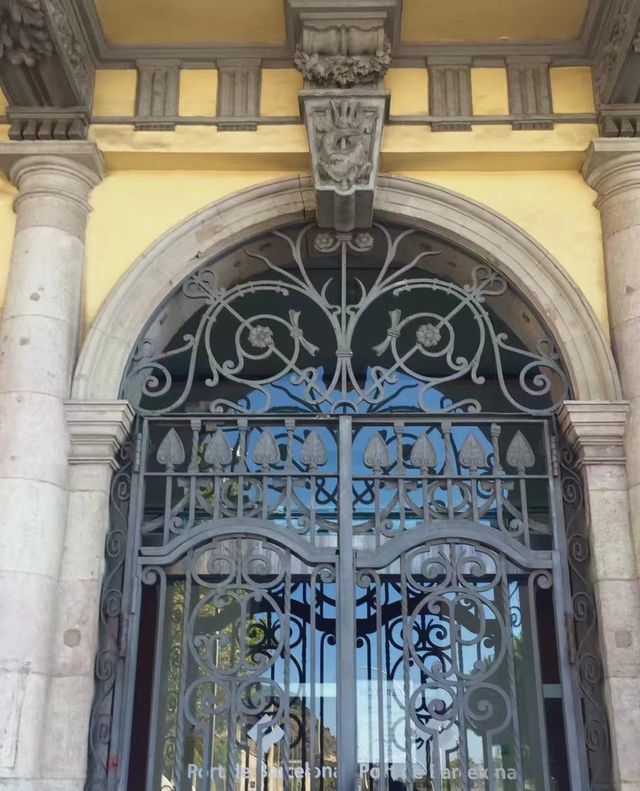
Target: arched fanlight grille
[345,562]
[327,323]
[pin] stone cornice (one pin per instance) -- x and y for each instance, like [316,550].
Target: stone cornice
[596,430]
[97,429]
[561,51]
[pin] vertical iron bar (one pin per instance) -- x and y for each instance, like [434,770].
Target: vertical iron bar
[578,774]
[289,469]
[382,784]
[184,664]
[406,670]
[399,429]
[196,425]
[158,656]
[448,465]
[511,674]
[132,596]
[314,582]
[533,621]
[346,626]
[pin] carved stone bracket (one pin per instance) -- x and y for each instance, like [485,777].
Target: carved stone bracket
[343,53]
[616,64]
[345,132]
[45,67]
[355,52]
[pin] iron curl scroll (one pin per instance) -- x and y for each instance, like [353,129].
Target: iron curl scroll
[304,334]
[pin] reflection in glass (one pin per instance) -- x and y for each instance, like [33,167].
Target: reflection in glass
[245,676]
[450,685]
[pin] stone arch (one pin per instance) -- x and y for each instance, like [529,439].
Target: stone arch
[227,222]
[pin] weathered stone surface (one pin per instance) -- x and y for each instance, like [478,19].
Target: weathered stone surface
[345,134]
[39,328]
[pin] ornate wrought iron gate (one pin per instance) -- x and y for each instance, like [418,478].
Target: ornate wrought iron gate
[340,570]
[321,603]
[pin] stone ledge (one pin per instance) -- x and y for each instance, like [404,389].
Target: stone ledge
[97,429]
[596,429]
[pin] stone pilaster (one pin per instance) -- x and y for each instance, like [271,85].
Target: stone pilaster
[597,430]
[613,169]
[97,429]
[38,344]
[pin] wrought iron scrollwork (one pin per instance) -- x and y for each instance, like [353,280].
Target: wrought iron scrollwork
[108,662]
[270,347]
[584,622]
[454,666]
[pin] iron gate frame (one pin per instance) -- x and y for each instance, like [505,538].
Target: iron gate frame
[138,559]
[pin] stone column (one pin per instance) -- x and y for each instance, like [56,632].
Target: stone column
[38,344]
[596,430]
[612,168]
[97,430]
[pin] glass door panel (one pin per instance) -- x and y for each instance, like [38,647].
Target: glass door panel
[245,674]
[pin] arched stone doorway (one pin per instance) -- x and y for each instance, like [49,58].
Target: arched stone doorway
[457,547]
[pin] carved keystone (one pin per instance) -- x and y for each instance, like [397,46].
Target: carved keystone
[343,53]
[345,132]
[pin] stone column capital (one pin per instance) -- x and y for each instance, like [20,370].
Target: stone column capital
[612,167]
[596,430]
[80,157]
[97,429]
[54,181]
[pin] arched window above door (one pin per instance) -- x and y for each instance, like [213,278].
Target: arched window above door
[346,559]
[303,320]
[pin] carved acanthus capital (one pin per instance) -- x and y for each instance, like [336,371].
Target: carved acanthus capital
[24,35]
[345,43]
[342,57]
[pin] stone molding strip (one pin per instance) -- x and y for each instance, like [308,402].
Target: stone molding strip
[97,430]
[596,430]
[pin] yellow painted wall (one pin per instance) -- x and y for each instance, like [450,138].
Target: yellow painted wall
[556,208]
[115,92]
[489,94]
[198,92]
[4,128]
[133,208]
[572,89]
[409,91]
[7,226]
[279,92]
